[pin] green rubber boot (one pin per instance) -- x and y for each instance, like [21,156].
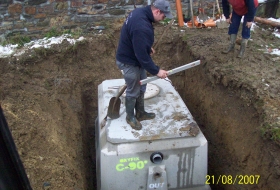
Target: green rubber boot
[231,45]
[130,118]
[242,48]
[141,114]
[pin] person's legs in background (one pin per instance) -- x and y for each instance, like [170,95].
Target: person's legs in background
[232,31]
[246,34]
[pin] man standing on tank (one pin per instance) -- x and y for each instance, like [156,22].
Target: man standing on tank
[134,57]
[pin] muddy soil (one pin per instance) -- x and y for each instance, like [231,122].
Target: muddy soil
[49,98]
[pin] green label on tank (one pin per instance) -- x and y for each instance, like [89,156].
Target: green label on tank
[133,163]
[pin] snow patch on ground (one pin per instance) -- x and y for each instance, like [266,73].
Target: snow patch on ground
[10,49]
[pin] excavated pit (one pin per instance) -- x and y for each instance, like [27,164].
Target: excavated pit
[50,102]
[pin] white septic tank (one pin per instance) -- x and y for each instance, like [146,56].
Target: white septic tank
[170,152]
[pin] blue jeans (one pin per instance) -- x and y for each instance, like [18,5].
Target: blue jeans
[132,76]
[235,23]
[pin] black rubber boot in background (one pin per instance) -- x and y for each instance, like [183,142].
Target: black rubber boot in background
[130,118]
[141,114]
[231,44]
[242,48]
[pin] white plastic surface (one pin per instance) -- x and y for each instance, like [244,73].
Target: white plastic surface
[173,119]
[151,91]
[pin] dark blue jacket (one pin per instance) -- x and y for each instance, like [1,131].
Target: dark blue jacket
[136,40]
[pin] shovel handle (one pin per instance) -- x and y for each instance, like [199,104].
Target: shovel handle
[121,91]
[169,25]
[119,94]
[171,72]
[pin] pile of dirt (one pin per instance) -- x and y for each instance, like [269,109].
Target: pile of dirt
[49,98]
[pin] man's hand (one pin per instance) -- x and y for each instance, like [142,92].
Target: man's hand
[152,51]
[249,24]
[228,20]
[162,74]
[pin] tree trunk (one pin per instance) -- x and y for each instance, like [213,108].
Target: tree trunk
[266,21]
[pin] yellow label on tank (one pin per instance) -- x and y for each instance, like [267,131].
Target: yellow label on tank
[133,163]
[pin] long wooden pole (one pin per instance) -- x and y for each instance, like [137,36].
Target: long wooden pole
[213,11]
[191,4]
[167,27]
[218,7]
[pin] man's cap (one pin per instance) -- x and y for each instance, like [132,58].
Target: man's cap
[164,6]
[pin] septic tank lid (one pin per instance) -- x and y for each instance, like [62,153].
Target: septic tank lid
[151,91]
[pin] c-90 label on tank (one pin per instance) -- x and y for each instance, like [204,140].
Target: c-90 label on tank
[133,163]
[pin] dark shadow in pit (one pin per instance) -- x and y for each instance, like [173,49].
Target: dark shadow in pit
[89,114]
